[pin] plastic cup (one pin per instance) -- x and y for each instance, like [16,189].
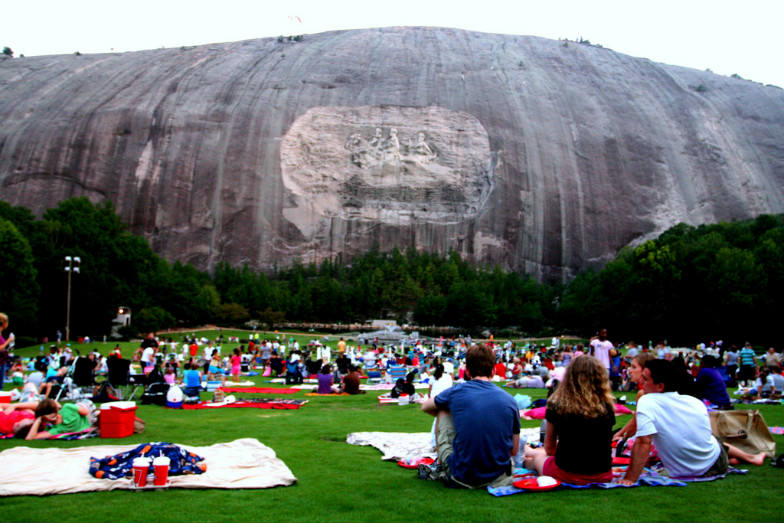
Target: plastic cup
[161,467]
[141,466]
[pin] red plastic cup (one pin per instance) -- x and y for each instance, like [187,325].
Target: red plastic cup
[161,467]
[141,466]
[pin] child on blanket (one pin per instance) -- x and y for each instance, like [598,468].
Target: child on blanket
[580,417]
[71,417]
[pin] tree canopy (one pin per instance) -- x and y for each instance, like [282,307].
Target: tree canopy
[719,281]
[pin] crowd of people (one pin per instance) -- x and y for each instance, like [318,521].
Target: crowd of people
[477,424]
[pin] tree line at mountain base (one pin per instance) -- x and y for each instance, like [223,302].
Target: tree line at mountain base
[691,284]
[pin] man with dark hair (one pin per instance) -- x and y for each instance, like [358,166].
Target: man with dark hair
[680,428]
[477,428]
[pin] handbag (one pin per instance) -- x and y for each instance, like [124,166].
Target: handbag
[744,429]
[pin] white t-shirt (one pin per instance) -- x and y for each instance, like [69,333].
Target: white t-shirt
[680,429]
[601,351]
[441,384]
[148,356]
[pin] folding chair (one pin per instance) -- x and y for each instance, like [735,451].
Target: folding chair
[119,377]
[67,386]
[395,372]
[84,372]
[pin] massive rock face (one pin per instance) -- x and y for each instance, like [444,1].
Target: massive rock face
[543,156]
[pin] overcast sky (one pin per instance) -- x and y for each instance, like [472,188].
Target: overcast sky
[726,36]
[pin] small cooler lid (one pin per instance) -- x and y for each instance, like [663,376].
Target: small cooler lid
[119,405]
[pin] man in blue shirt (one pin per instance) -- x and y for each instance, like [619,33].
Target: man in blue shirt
[478,427]
[748,364]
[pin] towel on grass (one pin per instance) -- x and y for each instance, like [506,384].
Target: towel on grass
[243,463]
[401,446]
[261,403]
[329,394]
[258,390]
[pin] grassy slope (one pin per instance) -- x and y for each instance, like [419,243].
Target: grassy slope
[341,482]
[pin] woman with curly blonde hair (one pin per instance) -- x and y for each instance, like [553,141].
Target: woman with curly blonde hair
[580,416]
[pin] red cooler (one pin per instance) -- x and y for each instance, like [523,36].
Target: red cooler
[116,419]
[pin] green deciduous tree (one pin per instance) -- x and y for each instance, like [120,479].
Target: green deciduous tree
[20,288]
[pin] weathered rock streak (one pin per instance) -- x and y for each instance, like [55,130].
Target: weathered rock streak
[543,156]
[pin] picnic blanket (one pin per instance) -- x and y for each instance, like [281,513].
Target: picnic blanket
[329,394]
[118,466]
[242,463]
[260,403]
[259,390]
[387,398]
[649,477]
[389,386]
[408,447]
[401,446]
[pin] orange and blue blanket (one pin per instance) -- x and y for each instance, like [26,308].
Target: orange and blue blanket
[120,465]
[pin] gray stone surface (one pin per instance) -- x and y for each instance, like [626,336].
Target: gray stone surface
[540,155]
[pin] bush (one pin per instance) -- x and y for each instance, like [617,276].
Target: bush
[7,51]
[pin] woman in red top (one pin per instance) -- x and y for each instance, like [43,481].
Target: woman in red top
[500,369]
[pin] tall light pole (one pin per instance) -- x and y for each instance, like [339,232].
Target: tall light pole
[73,266]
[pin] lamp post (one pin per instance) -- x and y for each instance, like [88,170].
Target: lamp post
[73,266]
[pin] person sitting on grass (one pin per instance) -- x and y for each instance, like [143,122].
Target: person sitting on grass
[710,386]
[580,417]
[477,429]
[325,380]
[680,428]
[635,376]
[351,381]
[71,417]
[404,386]
[191,380]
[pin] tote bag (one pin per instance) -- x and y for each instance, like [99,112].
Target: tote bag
[744,429]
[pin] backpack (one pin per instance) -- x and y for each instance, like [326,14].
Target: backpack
[104,392]
[399,388]
[155,394]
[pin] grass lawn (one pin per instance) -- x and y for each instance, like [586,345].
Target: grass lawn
[341,482]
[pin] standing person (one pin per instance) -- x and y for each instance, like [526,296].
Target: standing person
[236,365]
[731,361]
[478,426]
[148,354]
[580,416]
[601,347]
[772,360]
[748,364]
[680,428]
[4,345]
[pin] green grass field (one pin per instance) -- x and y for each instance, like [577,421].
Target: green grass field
[341,482]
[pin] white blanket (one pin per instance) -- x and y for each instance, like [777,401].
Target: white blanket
[242,463]
[398,446]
